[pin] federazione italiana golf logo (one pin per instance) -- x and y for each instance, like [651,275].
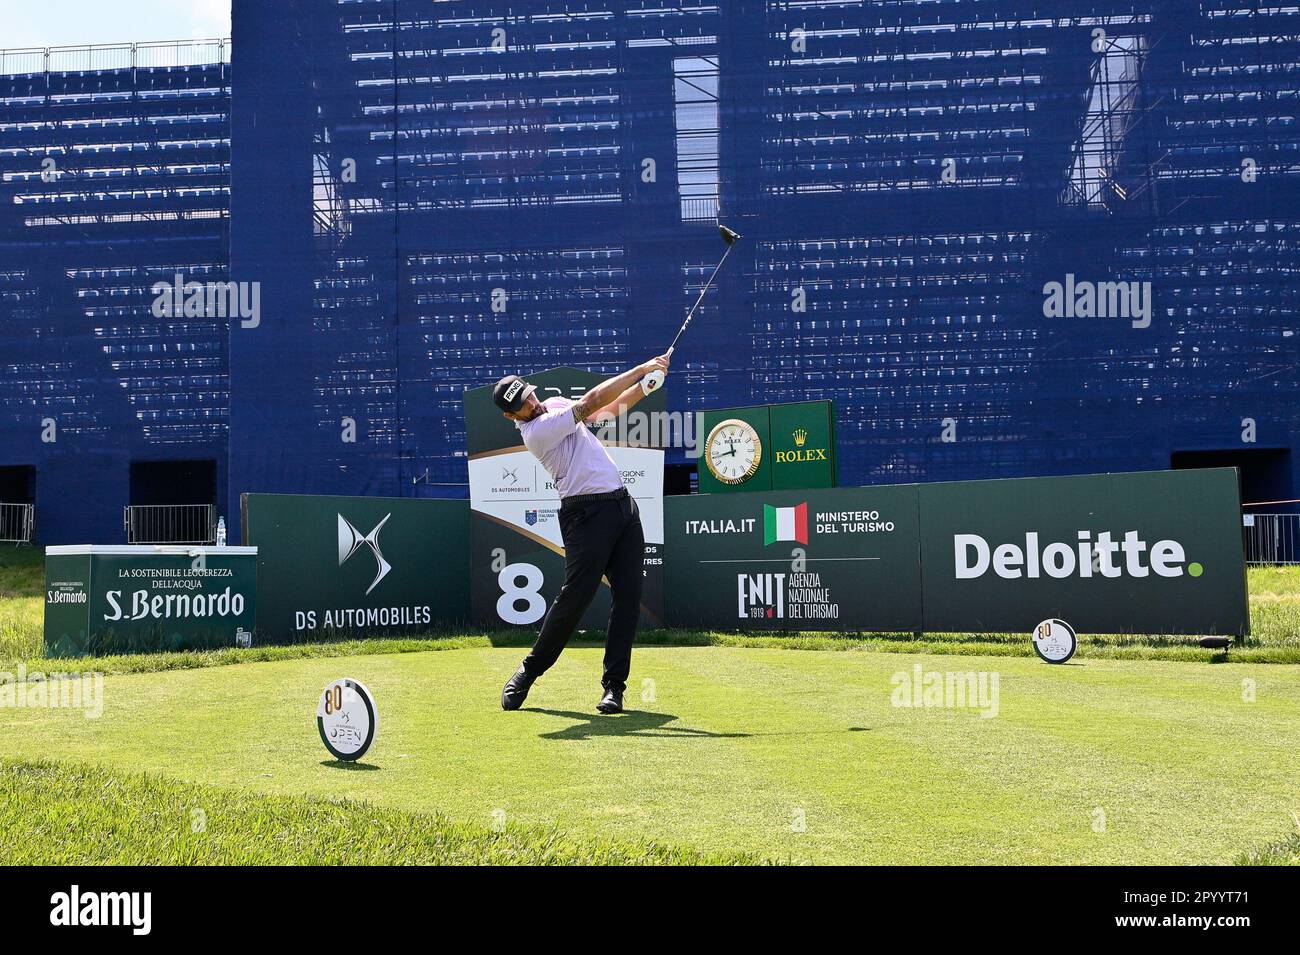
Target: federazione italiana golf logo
[1086,557]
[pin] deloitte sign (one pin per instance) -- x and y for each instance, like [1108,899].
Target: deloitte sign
[973,557]
[1152,552]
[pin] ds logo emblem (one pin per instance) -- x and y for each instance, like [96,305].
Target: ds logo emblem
[351,540]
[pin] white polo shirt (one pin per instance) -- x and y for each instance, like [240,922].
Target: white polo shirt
[576,461]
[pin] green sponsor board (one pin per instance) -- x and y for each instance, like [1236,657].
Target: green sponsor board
[141,599]
[67,603]
[1151,552]
[803,445]
[841,559]
[793,446]
[357,566]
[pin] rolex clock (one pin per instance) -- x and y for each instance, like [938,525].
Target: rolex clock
[733,451]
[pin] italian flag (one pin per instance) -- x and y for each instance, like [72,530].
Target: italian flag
[785,523]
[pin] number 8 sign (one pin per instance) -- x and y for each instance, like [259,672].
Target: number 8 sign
[512,594]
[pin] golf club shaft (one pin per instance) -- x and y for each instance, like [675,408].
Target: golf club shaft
[703,292]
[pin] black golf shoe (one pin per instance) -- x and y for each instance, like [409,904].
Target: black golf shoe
[611,702]
[516,690]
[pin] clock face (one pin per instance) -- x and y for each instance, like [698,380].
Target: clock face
[733,451]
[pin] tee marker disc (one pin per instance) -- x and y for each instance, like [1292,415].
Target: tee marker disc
[1054,641]
[347,719]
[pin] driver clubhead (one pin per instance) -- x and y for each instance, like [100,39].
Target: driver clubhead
[728,236]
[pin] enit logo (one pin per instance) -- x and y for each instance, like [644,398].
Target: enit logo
[351,540]
[973,557]
[760,596]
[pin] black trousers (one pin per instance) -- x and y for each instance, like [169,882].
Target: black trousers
[601,539]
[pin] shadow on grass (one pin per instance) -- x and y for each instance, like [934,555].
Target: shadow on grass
[627,723]
[350,765]
[655,725]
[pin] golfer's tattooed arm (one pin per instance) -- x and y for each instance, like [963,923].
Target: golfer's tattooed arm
[619,405]
[609,390]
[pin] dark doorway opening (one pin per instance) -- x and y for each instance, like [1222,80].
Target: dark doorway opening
[172,502]
[17,497]
[174,482]
[18,484]
[1265,472]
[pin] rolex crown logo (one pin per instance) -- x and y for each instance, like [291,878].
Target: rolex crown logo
[800,436]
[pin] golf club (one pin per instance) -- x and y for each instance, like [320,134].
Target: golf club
[652,381]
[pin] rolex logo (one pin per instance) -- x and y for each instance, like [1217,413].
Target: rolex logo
[351,540]
[800,454]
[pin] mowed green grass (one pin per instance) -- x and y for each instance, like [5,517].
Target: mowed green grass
[73,815]
[783,754]
[22,602]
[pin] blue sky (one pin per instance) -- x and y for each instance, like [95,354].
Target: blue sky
[26,23]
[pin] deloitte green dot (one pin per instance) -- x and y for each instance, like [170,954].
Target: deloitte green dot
[1195,569]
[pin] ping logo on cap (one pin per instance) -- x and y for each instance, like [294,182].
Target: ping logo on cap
[516,386]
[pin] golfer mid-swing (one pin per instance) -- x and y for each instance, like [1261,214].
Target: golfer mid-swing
[599,523]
